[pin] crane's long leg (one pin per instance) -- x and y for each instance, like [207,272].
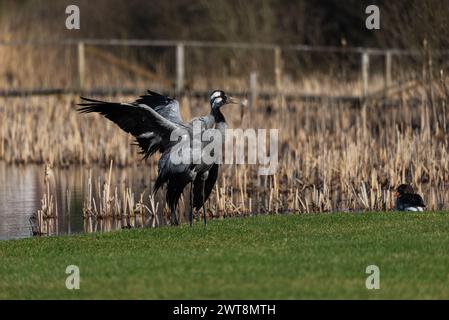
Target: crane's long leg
[173,215]
[191,204]
[204,203]
[198,214]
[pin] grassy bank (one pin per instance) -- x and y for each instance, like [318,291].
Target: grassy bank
[308,256]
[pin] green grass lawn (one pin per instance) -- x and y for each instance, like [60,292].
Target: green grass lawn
[265,257]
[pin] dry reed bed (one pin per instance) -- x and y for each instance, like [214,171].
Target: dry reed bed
[104,208]
[44,221]
[112,203]
[329,160]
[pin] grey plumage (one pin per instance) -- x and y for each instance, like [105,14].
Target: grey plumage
[152,119]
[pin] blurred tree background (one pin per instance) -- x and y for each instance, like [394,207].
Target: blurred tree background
[404,23]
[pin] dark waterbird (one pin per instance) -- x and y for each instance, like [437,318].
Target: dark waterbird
[152,119]
[408,200]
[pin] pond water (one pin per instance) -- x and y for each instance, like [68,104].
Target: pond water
[22,188]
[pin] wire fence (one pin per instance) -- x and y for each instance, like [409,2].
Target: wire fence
[111,66]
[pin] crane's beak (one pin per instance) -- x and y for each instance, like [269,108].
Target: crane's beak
[242,104]
[231,100]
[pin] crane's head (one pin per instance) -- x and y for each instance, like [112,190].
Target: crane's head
[218,99]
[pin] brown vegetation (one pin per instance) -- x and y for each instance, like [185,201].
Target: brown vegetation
[328,160]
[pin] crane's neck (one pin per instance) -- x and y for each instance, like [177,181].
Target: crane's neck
[218,116]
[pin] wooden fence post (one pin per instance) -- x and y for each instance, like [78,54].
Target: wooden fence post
[278,68]
[365,84]
[254,90]
[81,65]
[387,86]
[180,68]
[365,74]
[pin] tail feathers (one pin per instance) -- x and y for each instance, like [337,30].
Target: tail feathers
[175,189]
[175,186]
[158,184]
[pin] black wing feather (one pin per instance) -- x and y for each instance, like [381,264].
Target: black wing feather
[165,106]
[151,129]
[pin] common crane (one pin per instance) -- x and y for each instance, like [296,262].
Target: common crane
[152,119]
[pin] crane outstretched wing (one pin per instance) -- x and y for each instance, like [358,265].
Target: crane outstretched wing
[165,106]
[150,119]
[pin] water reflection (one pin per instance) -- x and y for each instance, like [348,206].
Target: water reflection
[22,188]
[19,197]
